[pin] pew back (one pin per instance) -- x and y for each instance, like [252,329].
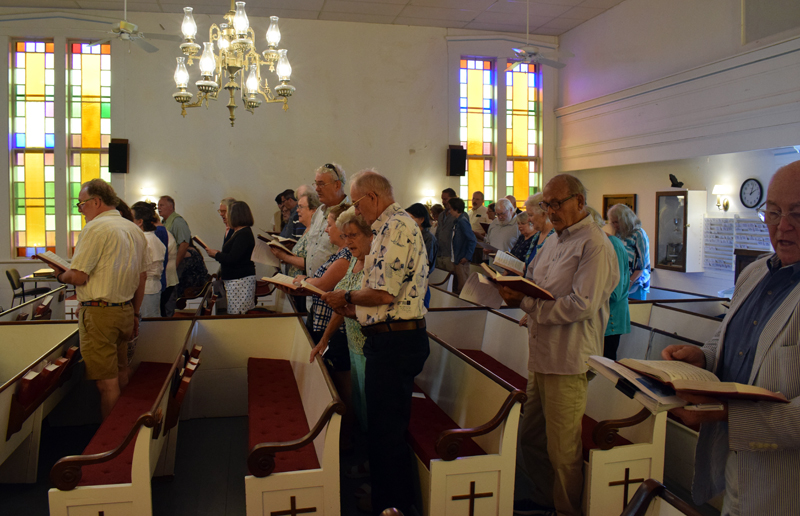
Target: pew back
[676,319]
[441,298]
[27,311]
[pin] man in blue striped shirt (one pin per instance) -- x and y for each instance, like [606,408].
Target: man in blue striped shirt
[752,449]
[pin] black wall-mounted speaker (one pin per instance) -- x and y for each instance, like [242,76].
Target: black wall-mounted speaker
[118,154]
[456,161]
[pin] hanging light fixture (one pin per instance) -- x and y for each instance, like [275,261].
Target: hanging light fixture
[234,58]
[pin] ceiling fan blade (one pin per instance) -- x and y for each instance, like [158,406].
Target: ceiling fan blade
[101,42]
[165,37]
[144,45]
[549,62]
[515,66]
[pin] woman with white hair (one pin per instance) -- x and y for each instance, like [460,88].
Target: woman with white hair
[503,231]
[628,228]
[541,224]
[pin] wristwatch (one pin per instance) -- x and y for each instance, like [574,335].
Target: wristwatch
[347,296]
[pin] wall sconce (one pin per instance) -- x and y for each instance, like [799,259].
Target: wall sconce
[428,199]
[148,192]
[723,203]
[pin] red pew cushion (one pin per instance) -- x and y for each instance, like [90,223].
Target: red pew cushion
[275,412]
[495,366]
[428,421]
[137,398]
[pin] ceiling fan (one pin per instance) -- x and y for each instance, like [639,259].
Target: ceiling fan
[532,55]
[127,31]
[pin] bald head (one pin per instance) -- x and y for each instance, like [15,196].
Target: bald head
[783,200]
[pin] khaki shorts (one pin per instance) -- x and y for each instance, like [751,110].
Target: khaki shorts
[104,334]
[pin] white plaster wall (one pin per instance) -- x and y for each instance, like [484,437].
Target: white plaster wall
[639,41]
[697,174]
[368,95]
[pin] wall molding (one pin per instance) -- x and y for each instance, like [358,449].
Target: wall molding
[745,102]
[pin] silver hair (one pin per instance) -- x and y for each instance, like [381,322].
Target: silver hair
[349,217]
[504,204]
[369,180]
[337,172]
[227,202]
[595,215]
[628,221]
[533,202]
[311,198]
[523,218]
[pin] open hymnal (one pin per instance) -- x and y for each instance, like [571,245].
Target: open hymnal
[282,280]
[275,244]
[510,263]
[53,260]
[288,242]
[517,283]
[308,286]
[482,291]
[687,378]
[43,273]
[653,395]
[200,242]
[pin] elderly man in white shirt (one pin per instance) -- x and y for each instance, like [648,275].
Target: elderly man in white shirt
[580,269]
[478,215]
[503,231]
[112,253]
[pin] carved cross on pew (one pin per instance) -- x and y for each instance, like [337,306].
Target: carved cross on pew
[293,510]
[471,497]
[625,483]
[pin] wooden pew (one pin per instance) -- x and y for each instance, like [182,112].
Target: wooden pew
[289,465]
[138,438]
[466,450]
[675,318]
[27,394]
[496,340]
[49,306]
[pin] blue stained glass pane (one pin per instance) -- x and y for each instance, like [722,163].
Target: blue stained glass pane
[30,251]
[463,103]
[49,140]
[20,137]
[487,104]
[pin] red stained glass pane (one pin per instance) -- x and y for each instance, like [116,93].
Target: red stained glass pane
[76,48]
[49,47]
[105,49]
[487,65]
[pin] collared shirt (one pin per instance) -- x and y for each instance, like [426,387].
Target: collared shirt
[155,262]
[536,247]
[293,228]
[746,325]
[580,269]
[619,320]
[319,247]
[444,231]
[503,235]
[398,264]
[112,251]
[638,247]
[476,217]
[320,310]
[177,225]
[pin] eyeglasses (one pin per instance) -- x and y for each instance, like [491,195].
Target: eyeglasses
[349,236]
[355,203]
[80,204]
[222,212]
[332,168]
[556,205]
[773,217]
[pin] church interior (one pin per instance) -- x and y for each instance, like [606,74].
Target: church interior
[703,91]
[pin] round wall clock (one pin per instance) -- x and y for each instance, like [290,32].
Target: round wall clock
[751,193]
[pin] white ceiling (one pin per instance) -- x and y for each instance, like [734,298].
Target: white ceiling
[547,17]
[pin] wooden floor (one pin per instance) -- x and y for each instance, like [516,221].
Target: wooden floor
[209,471]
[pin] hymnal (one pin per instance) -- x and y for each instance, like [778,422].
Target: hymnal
[53,260]
[200,242]
[482,291]
[655,396]
[262,254]
[510,263]
[518,283]
[308,286]
[282,280]
[43,273]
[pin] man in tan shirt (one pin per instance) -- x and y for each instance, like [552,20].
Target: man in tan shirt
[579,268]
[109,270]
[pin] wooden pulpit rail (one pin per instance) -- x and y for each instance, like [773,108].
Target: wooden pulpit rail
[39,321]
[605,433]
[667,306]
[261,459]
[44,356]
[449,442]
[647,491]
[66,473]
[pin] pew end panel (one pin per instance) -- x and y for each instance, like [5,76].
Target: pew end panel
[506,341]
[613,474]
[476,455]
[465,325]
[27,349]
[441,298]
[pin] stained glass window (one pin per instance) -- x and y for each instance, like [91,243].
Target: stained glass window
[477,125]
[523,137]
[32,85]
[88,122]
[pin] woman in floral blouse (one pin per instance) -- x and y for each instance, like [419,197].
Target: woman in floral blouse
[358,237]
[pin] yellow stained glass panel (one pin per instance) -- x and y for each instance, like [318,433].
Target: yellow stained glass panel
[475,167]
[521,180]
[34,175]
[90,71]
[34,75]
[520,136]
[474,133]
[90,125]
[35,227]
[90,167]
[475,89]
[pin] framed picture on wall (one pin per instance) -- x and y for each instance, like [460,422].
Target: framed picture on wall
[610,200]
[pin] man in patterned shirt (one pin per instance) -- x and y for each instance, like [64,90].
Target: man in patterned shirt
[390,309]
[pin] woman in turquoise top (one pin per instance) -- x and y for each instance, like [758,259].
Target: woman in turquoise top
[628,228]
[358,238]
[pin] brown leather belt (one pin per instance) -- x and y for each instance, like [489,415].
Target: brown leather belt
[373,329]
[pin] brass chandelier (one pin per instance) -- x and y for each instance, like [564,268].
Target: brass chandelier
[235,53]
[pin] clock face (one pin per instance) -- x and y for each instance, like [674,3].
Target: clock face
[751,193]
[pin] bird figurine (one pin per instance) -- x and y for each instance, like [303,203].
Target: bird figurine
[675,182]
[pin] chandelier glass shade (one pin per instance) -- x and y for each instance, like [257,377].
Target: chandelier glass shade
[235,60]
